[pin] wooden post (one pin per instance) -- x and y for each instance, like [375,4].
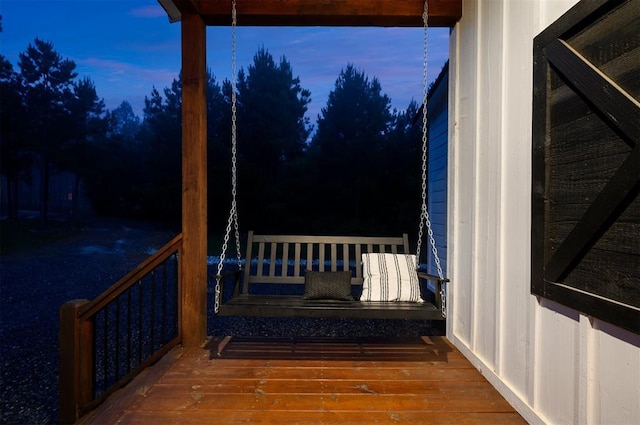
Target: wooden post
[76,362]
[194,182]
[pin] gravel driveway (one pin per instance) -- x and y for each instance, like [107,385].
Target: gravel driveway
[33,286]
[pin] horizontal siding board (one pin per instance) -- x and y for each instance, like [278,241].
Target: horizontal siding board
[437,171]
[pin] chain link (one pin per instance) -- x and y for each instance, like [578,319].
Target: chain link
[233,212]
[424,213]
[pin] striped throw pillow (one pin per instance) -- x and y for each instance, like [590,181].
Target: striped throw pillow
[390,277]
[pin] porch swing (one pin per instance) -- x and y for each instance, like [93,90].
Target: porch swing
[329,268]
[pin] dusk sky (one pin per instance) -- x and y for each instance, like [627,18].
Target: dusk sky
[126,47]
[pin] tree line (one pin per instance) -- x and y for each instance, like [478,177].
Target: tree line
[355,170]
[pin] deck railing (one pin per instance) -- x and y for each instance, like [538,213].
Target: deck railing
[106,342]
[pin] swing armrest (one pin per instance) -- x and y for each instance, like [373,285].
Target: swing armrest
[427,276]
[438,286]
[237,277]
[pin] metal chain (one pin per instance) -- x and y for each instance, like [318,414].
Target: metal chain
[233,212]
[234,133]
[424,213]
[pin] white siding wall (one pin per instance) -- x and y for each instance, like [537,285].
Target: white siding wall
[437,172]
[552,363]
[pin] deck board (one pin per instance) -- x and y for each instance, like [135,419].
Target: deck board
[330,381]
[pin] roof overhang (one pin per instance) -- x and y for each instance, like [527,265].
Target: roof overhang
[356,13]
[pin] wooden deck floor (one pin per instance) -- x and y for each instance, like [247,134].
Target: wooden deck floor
[320,381]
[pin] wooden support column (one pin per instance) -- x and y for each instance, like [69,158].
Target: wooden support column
[194,182]
[76,362]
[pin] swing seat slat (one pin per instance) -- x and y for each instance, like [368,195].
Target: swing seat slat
[272,282]
[295,306]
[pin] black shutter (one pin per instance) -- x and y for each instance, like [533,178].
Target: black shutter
[586,161]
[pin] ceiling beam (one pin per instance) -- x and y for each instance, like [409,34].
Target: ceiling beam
[356,13]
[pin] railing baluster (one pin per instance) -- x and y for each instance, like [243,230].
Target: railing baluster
[116,336]
[128,330]
[94,360]
[153,312]
[105,347]
[140,330]
[176,293]
[163,324]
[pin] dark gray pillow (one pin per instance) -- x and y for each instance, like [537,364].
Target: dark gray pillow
[327,286]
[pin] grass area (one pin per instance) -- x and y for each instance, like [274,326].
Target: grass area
[24,234]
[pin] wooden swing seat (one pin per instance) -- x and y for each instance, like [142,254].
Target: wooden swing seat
[278,263]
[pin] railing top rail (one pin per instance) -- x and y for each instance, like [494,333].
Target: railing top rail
[131,278]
